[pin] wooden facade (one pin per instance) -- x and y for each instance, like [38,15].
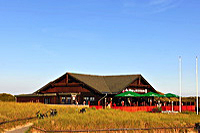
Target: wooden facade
[86,89]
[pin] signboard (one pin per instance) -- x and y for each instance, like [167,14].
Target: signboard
[136,90]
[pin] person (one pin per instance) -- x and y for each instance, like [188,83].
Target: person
[83,102]
[159,104]
[129,102]
[122,102]
[108,105]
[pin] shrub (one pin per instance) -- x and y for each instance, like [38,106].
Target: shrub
[93,108]
[157,110]
[6,97]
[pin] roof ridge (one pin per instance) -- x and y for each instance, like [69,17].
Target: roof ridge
[104,75]
[106,84]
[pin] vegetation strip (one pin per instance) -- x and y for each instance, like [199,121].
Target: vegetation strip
[120,129]
[69,118]
[4,122]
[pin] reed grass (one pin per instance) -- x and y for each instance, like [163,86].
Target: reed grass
[110,118]
[69,118]
[13,110]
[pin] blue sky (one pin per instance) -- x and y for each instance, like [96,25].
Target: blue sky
[41,40]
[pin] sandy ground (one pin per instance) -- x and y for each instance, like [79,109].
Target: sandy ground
[20,129]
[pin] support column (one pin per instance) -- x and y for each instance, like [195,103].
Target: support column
[105,102]
[110,102]
[150,102]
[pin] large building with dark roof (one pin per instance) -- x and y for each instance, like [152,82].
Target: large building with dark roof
[85,88]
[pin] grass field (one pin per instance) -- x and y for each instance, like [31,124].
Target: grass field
[13,110]
[69,118]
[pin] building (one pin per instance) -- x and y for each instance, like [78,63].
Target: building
[86,89]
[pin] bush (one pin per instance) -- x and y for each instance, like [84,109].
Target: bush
[157,110]
[6,97]
[93,108]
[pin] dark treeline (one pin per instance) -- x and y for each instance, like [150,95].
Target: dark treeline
[6,97]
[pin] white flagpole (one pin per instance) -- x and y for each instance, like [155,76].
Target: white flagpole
[180,82]
[197,101]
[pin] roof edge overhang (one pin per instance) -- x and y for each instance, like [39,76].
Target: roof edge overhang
[49,84]
[139,75]
[148,83]
[68,94]
[36,95]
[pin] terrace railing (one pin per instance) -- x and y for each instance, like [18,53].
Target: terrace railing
[149,108]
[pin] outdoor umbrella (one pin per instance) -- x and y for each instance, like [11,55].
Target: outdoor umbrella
[171,95]
[128,94]
[152,94]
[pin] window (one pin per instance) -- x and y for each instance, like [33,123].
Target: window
[68,100]
[86,98]
[63,99]
[47,100]
[91,98]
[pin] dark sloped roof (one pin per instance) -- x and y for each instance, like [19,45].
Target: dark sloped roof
[118,83]
[106,84]
[102,84]
[96,82]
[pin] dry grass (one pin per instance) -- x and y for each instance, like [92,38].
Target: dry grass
[109,118]
[69,118]
[13,110]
